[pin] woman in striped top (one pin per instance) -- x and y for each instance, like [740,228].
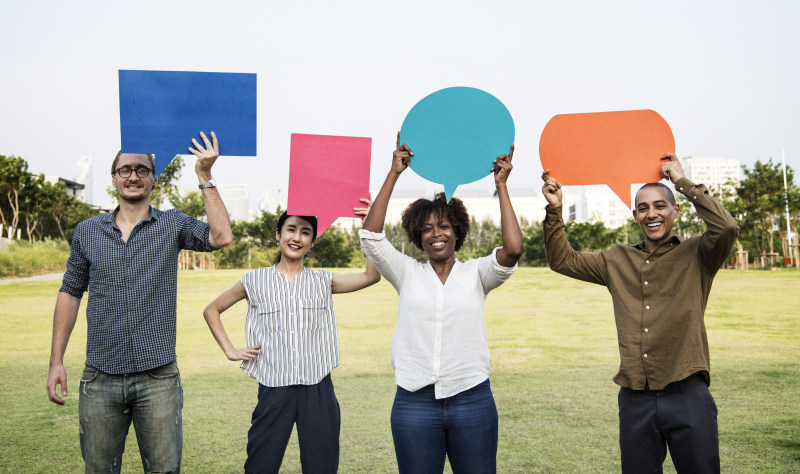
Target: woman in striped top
[291,333]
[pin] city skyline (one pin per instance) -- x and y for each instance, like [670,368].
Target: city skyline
[722,74]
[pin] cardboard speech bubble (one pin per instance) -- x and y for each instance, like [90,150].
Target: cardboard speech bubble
[328,175]
[613,148]
[160,112]
[455,134]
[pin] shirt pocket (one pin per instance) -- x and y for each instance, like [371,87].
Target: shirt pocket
[268,319]
[314,313]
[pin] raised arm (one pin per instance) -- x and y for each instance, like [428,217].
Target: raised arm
[722,228]
[218,219]
[400,161]
[561,257]
[511,251]
[212,314]
[64,317]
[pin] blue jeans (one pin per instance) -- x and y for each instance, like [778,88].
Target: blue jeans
[108,403]
[463,427]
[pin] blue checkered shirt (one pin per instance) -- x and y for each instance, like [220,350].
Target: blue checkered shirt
[132,286]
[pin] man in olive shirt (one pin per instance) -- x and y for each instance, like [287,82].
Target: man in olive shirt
[659,288]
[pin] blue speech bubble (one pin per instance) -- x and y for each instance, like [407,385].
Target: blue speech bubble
[160,112]
[456,134]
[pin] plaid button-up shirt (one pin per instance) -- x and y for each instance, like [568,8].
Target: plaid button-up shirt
[132,286]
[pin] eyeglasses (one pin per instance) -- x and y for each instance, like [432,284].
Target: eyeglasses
[125,172]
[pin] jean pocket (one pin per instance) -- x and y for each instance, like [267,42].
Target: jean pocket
[88,376]
[165,371]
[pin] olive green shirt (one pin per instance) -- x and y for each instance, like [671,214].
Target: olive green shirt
[660,297]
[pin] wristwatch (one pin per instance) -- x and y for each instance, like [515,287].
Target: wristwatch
[211,183]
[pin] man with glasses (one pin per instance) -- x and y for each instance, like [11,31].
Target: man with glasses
[128,260]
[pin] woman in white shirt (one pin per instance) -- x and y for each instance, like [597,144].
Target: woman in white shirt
[440,352]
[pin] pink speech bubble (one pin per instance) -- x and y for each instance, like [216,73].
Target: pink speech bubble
[613,148]
[328,175]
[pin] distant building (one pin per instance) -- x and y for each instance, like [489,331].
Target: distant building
[482,204]
[237,200]
[83,175]
[71,187]
[716,173]
[269,203]
[595,203]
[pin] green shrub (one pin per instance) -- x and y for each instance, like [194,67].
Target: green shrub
[24,259]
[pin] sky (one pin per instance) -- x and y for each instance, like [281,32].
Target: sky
[724,74]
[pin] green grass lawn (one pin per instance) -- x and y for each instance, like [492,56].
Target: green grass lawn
[554,352]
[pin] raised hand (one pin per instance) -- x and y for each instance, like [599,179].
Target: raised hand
[671,168]
[551,189]
[401,157]
[502,167]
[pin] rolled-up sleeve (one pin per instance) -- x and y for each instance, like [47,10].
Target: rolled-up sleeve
[76,277]
[492,273]
[390,263]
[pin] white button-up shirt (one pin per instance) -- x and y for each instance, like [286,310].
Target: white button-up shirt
[441,337]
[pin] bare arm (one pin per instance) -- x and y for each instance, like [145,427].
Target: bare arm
[509,254]
[212,314]
[218,219]
[355,281]
[64,317]
[377,215]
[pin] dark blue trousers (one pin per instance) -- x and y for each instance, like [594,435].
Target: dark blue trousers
[314,408]
[682,416]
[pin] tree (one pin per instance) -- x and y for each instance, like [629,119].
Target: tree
[190,204]
[760,204]
[13,173]
[37,198]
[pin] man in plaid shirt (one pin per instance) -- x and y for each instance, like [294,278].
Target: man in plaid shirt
[128,260]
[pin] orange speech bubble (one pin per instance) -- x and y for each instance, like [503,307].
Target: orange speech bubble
[613,148]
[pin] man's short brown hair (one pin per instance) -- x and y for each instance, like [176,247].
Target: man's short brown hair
[417,213]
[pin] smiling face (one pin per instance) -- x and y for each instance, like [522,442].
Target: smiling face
[295,238]
[133,188]
[656,215]
[438,238]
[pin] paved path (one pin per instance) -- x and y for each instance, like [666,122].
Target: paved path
[45,277]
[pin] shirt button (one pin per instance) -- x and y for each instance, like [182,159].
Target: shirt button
[681,188]
[647,307]
[645,356]
[647,261]
[645,283]
[646,330]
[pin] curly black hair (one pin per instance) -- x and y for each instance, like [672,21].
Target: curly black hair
[417,213]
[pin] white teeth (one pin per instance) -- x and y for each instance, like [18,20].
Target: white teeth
[437,244]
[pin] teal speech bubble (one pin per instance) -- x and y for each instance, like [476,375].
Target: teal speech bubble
[456,134]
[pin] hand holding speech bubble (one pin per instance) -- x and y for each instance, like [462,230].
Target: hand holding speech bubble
[328,175]
[456,134]
[613,148]
[160,112]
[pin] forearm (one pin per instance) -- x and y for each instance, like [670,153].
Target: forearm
[64,318]
[220,234]
[722,228]
[214,321]
[377,213]
[509,225]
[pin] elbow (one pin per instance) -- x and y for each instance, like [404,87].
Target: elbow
[220,241]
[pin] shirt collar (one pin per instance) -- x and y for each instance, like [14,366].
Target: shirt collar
[673,240]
